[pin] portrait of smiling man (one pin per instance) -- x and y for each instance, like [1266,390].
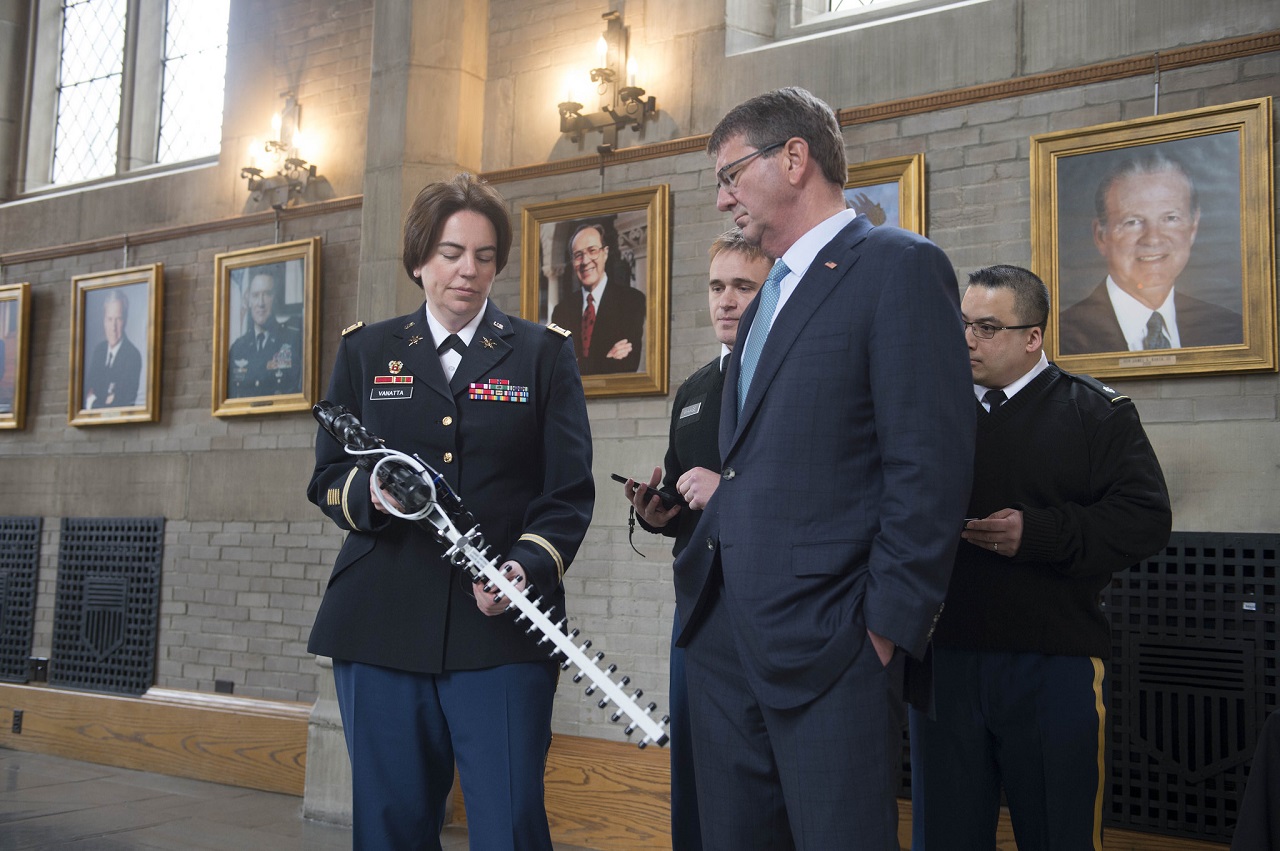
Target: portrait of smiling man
[1147,216]
[113,372]
[607,318]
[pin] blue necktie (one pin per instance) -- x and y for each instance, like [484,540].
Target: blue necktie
[760,328]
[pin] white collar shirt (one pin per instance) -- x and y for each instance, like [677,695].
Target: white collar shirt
[596,294]
[1133,316]
[1013,387]
[450,359]
[799,257]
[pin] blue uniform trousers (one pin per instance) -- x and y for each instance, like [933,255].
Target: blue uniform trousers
[1030,723]
[404,732]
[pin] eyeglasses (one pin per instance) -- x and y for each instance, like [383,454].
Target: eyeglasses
[727,177]
[987,331]
[591,252]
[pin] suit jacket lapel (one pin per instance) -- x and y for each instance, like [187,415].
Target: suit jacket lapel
[829,267]
[488,347]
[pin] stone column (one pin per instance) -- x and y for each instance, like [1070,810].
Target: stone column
[13,56]
[328,791]
[426,117]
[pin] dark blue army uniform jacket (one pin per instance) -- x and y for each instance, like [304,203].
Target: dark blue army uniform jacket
[510,435]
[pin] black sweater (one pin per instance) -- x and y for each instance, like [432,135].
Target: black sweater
[1073,457]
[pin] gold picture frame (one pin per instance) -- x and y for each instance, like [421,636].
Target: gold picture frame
[266,338]
[889,191]
[1109,235]
[116,331]
[15,355]
[631,232]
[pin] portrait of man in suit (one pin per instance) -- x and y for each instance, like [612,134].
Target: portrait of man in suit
[265,360]
[605,316]
[113,371]
[1147,214]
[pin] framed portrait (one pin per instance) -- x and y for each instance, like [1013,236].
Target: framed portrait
[889,192]
[1155,238]
[266,339]
[115,346]
[15,322]
[599,268]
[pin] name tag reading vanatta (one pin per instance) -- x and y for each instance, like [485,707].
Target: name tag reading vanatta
[690,410]
[391,387]
[393,392]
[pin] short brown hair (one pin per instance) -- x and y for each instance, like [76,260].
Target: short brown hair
[436,203]
[734,240]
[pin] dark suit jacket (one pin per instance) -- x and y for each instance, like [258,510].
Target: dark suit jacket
[1090,325]
[119,382]
[522,467]
[846,478]
[695,442]
[619,316]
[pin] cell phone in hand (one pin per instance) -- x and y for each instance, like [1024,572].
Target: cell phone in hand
[669,498]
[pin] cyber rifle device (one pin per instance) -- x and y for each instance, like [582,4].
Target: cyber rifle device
[428,500]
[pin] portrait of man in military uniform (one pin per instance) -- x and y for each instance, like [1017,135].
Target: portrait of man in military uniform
[267,358]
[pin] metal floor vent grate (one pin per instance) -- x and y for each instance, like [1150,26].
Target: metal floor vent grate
[108,601]
[1193,678]
[19,565]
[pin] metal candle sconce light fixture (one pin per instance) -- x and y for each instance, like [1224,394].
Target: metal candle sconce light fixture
[623,106]
[278,176]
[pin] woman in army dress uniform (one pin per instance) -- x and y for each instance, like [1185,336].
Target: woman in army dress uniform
[428,670]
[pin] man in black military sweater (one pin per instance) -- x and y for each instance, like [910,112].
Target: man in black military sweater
[1066,491]
[693,471]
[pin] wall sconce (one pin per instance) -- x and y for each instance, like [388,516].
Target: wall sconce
[622,106]
[278,176]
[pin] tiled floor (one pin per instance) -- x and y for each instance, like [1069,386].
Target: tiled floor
[51,803]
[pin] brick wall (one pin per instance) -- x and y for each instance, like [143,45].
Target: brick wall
[246,556]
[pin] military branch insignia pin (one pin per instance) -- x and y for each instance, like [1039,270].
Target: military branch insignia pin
[395,366]
[415,340]
[488,344]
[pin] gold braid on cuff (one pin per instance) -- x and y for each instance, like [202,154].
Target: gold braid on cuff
[546,545]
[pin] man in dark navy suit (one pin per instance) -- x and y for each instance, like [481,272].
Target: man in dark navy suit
[114,370]
[821,561]
[693,471]
[606,320]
